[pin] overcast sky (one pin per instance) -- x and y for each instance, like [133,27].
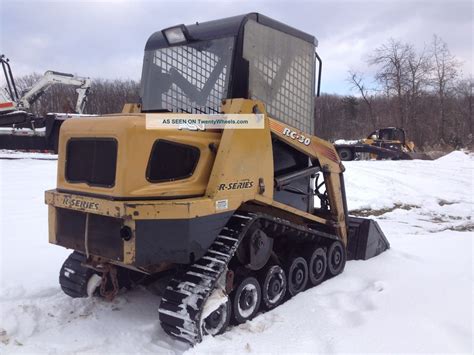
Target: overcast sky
[106,38]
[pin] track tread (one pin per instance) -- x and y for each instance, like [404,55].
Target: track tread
[184,297]
[185,324]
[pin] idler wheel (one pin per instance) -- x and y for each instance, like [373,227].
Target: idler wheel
[217,321]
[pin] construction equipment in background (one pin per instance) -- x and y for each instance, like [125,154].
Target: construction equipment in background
[10,100]
[22,130]
[238,220]
[385,143]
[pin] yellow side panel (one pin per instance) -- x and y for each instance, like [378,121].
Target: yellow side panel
[243,167]
[135,144]
[52,224]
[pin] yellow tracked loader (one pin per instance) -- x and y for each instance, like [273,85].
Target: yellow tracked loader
[238,220]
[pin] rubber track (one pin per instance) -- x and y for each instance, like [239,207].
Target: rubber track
[184,297]
[74,277]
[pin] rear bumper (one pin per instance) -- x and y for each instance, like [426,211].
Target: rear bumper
[162,231]
[132,209]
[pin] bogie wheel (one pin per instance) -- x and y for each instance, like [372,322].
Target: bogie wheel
[345,154]
[317,265]
[273,283]
[297,275]
[336,259]
[246,300]
[217,321]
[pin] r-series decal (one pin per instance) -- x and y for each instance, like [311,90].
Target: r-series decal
[87,205]
[236,185]
[296,136]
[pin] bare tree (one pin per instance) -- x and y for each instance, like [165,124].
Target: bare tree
[391,59]
[445,71]
[417,90]
[418,68]
[357,82]
[465,93]
[109,96]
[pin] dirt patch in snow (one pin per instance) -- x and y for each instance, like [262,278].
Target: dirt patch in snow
[466,227]
[444,202]
[382,211]
[4,338]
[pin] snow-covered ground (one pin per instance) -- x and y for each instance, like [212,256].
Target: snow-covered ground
[416,297]
[346,141]
[10,154]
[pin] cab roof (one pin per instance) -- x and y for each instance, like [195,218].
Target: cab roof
[227,27]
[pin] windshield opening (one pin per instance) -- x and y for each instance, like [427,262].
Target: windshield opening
[192,78]
[391,135]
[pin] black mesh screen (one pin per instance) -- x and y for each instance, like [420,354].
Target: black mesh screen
[195,69]
[190,78]
[171,161]
[281,74]
[92,161]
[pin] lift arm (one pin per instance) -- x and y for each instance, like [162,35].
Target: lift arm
[51,78]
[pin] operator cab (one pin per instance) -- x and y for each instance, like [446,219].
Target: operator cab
[193,68]
[389,134]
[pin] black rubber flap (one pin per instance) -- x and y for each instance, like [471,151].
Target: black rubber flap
[365,239]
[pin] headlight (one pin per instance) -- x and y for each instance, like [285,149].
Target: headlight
[175,35]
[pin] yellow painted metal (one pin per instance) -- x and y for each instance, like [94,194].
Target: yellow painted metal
[131,108]
[407,146]
[129,245]
[239,171]
[134,209]
[134,146]
[52,224]
[244,159]
[315,148]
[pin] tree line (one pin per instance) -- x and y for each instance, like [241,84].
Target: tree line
[421,91]
[105,96]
